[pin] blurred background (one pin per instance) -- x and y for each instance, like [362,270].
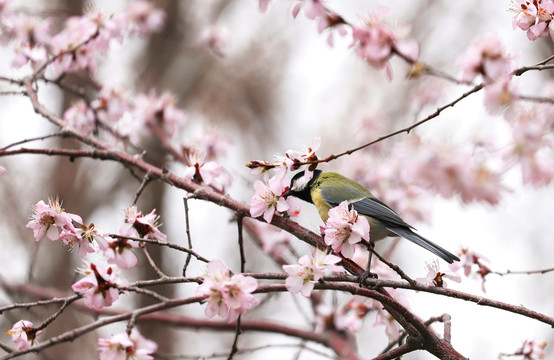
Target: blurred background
[266,83]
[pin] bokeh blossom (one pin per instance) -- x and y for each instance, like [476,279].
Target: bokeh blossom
[123,346]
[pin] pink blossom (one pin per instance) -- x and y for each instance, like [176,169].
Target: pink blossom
[144,17]
[75,239]
[212,143]
[350,317]
[293,158]
[119,252]
[383,318]
[23,334]
[535,17]
[532,350]
[208,173]
[215,39]
[499,95]
[123,346]
[275,242]
[302,277]
[159,112]
[376,42]
[472,264]
[263,5]
[80,117]
[228,296]
[3,170]
[111,104]
[100,286]
[143,226]
[268,199]
[487,57]
[344,228]
[436,278]
[50,219]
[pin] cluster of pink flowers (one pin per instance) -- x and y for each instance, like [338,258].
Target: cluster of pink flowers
[51,220]
[100,285]
[535,17]
[23,334]
[486,57]
[376,43]
[268,199]
[344,228]
[125,346]
[309,270]
[348,317]
[292,160]
[80,42]
[228,296]
[531,136]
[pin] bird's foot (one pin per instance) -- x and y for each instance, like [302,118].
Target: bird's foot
[367,274]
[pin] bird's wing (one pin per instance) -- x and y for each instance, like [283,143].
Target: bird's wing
[363,204]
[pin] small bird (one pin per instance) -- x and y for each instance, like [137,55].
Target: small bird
[328,189]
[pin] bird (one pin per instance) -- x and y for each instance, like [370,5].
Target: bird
[327,190]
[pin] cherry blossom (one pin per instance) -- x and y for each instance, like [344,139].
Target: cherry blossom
[159,112]
[123,346]
[344,228]
[145,18]
[212,143]
[268,199]
[309,270]
[119,252]
[436,278]
[75,239]
[535,17]
[227,296]
[532,350]
[80,117]
[499,95]
[208,173]
[3,170]
[470,260]
[376,42]
[23,334]
[350,317]
[139,225]
[487,57]
[100,285]
[50,219]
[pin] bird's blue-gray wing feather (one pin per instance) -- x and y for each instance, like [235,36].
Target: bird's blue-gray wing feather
[363,204]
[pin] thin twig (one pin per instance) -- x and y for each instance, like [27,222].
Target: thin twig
[159,272]
[163,243]
[234,347]
[530,272]
[187,232]
[65,304]
[241,244]
[60,134]
[145,181]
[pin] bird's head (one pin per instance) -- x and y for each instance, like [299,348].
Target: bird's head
[300,186]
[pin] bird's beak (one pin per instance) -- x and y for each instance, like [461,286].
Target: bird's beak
[287,193]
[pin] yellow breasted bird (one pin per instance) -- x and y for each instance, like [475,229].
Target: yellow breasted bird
[328,189]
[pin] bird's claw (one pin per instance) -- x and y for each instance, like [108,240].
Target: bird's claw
[367,274]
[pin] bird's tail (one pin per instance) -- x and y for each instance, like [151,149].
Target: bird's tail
[424,243]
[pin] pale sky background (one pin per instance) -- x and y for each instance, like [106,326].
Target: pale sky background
[325,91]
